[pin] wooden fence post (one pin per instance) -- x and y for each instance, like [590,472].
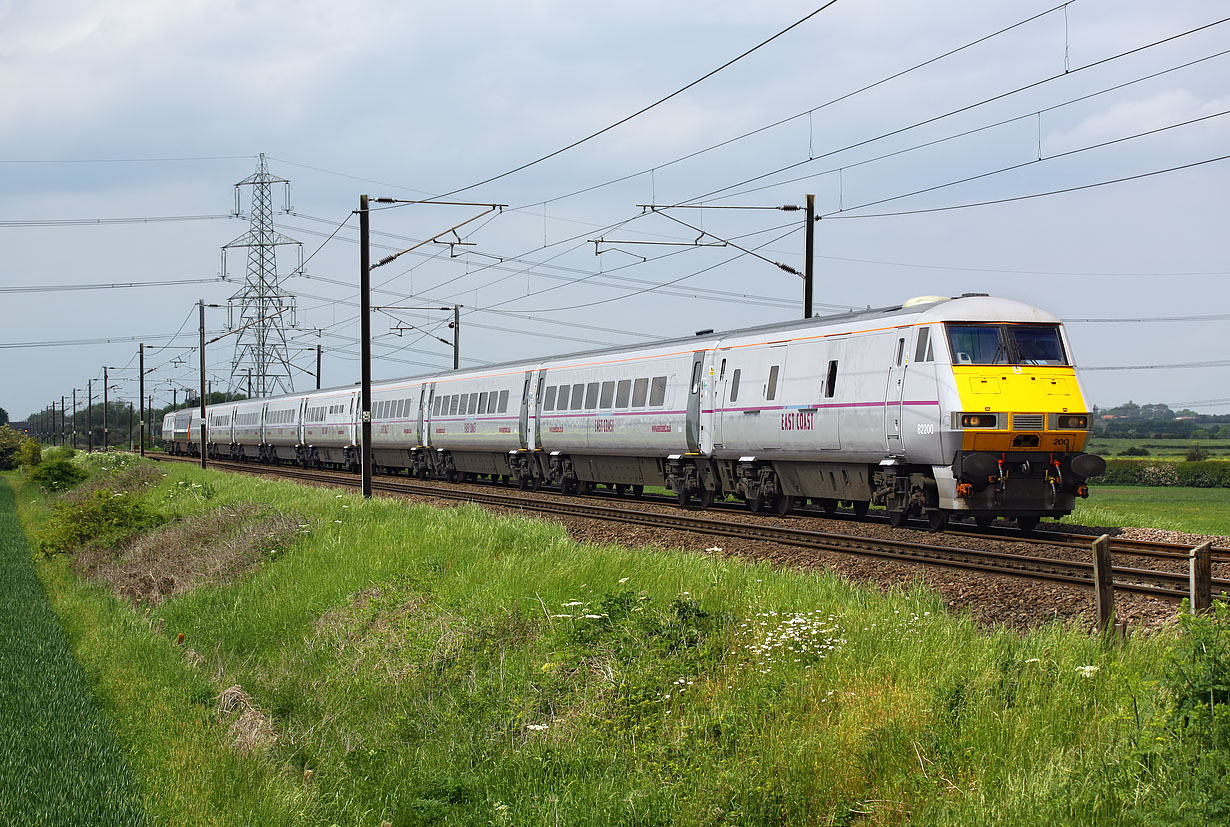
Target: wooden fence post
[1103,587]
[1200,568]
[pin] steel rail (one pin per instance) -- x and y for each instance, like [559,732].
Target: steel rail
[1162,584]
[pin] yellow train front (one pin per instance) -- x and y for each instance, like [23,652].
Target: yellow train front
[1013,421]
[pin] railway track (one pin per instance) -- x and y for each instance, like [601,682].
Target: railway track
[1168,585]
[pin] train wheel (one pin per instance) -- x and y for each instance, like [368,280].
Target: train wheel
[983,520]
[896,518]
[755,503]
[1027,524]
[620,489]
[783,504]
[684,497]
[705,499]
[860,508]
[937,520]
[827,506]
[523,483]
[637,491]
[535,483]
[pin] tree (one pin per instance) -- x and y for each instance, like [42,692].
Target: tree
[4,417]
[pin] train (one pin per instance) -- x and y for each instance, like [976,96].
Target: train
[940,407]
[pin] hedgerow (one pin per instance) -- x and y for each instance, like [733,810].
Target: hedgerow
[1208,474]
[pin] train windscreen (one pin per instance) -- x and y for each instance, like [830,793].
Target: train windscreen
[1006,344]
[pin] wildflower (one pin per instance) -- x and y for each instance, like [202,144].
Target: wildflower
[536,727]
[714,548]
[1033,660]
[1087,671]
[573,603]
[623,580]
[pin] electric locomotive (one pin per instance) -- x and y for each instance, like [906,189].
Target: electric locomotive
[941,406]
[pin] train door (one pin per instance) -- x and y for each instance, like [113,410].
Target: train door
[418,425]
[722,397]
[427,415]
[539,389]
[523,425]
[893,391]
[696,385]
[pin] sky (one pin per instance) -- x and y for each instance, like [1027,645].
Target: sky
[1069,156]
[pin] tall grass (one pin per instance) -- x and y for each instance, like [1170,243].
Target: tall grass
[456,667]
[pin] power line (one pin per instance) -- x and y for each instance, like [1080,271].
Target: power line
[968,132]
[64,288]
[711,194]
[123,160]
[1022,165]
[645,109]
[1220,363]
[1036,194]
[81,222]
[807,112]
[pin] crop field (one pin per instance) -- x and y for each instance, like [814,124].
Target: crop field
[272,654]
[1190,510]
[1165,449]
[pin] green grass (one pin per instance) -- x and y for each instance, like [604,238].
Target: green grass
[1192,510]
[59,763]
[455,667]
[1165,449]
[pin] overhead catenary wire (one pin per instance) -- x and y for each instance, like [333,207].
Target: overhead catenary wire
[805,113]
[644,109]
[713,194]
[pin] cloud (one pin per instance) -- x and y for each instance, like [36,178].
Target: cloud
[1144,114]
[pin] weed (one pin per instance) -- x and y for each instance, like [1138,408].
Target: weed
[104,518]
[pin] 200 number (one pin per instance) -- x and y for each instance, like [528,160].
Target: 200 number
[926,428]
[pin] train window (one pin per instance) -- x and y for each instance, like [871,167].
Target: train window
[435,406]
[920,352]
[696,369]
[640,390]
[722,372]
[734,384]
[608,395]
[900,350]
[563,397]
[830,383]
[482,402]
[771,388]
[977,345]
[453,401]
[503,401]
[591,396]
[657,396]
[578,396]
[622,391]
[548,404]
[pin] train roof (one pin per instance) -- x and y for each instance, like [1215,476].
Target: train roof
[972,307]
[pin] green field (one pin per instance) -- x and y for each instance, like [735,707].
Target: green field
[1166,449]
[1191,510]
[351,662]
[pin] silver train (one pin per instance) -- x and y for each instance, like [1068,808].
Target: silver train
[966,406]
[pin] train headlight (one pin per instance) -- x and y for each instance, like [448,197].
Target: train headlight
[982,420]
[1073,422]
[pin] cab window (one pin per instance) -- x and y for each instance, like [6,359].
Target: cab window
[1010,344]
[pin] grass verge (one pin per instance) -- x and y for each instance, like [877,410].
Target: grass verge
[453,667]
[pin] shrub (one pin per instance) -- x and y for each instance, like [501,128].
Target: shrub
[1196,453]
[29,454]
[57,475]
[105,518]
[59,452]
[1134,451]
[10,443]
